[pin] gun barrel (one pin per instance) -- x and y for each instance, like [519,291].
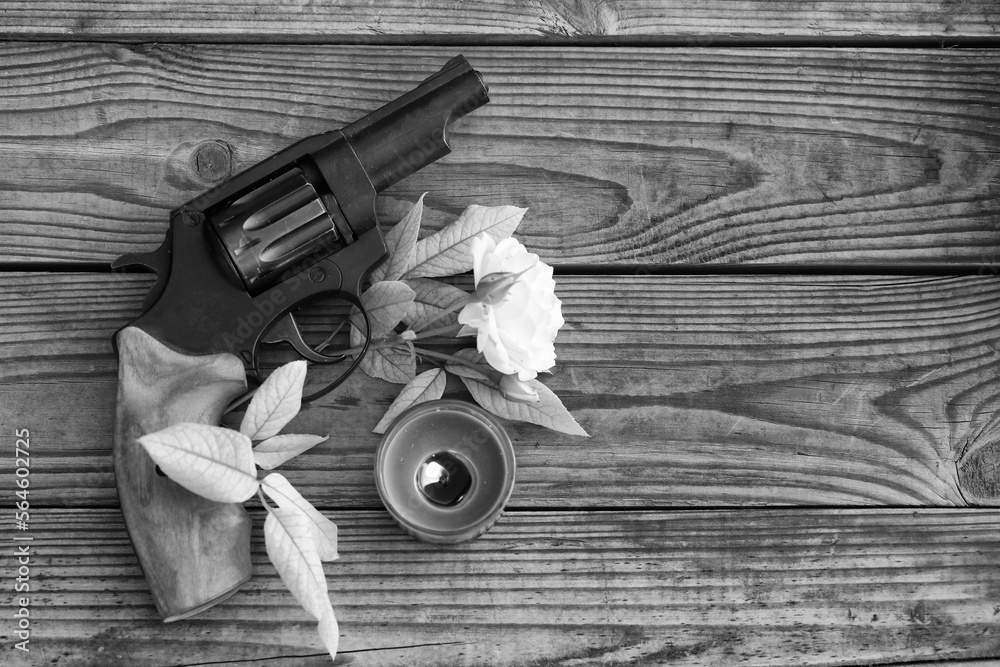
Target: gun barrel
[412,131]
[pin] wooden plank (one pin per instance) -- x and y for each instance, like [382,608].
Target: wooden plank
[697,390]
[549,21]
[697,588]
[624,156]
[989,662]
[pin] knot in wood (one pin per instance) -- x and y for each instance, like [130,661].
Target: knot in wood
[213,161]
[979,473]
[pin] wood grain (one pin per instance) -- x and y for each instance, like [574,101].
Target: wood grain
[193,551]
[625,156]
[547,21]
[745,587]
[697,390]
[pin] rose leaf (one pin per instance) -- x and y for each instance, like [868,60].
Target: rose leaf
[387,304]
[427,386]
[401,241]
[474,367]
[392,364]
[431,298]
[448,252]
[548,411]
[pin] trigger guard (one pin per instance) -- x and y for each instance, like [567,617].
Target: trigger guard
[286,330]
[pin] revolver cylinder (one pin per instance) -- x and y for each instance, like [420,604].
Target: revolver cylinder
[319,198]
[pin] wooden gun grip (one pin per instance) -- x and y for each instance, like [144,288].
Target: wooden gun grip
[194,552]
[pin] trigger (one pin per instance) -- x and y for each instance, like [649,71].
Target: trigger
[286,330]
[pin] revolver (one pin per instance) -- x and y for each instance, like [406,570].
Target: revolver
[235,266]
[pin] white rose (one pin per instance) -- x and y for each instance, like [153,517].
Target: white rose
[516,328]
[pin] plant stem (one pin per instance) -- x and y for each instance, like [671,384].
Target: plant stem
[447,311]
[436,332]
[446,357]
[396,340]
[329,339]
[263,500]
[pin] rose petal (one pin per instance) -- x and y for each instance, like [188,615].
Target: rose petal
[517,334]
[481,245]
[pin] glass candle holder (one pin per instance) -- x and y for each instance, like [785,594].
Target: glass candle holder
[445,470]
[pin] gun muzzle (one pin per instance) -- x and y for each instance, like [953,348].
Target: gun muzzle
[412,131]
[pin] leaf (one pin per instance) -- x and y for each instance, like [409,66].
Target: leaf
[277,449]
[427,386]
[324,531]
[392,364]
[475,367]
[548,411]
[290,545]
[211,461]
[276,402]
[401,242]
[387,304]
[449,251]
[431,298]
[329,632]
